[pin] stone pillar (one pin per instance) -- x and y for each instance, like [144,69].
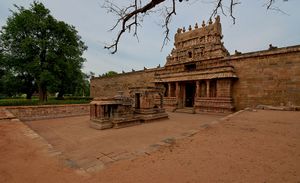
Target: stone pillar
[197,89]
[101,111]
[95,111]
[177,90]
[161,101]
[207,88]
[169,89]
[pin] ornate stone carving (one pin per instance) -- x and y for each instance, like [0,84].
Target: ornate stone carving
[196,64]
[121,111]
[205,42]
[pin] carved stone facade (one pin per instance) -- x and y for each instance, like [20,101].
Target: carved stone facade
[121,111]
[201,76]
[108,112]
[195,75]
[197,44]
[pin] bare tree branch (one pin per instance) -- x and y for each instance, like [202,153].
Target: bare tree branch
[167,22]
[270,6]
[270,3]
[125,18]
[219,5]
[131,16]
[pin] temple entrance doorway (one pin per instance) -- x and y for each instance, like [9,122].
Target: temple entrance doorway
[137,100]
[190,88]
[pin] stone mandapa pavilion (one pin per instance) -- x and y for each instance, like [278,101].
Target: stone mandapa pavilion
[122,111]
[201,76]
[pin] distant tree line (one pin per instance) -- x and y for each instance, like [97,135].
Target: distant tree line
[39,54]
[109,74]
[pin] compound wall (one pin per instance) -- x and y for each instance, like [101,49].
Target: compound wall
[268,77]
[26,113]
[109,86]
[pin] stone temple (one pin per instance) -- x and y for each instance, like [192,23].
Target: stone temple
[201,76]
[122,111]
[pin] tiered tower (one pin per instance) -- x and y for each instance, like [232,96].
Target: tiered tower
[200,43]
[196,74]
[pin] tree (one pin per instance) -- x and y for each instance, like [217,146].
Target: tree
[83,89]
[109,74]
[2,72]
[131,16]
[12,84]
[42,50]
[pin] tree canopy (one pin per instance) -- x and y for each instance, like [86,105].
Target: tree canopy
[109,74]
[41,51]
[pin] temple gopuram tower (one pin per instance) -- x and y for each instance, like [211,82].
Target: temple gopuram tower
[196,76]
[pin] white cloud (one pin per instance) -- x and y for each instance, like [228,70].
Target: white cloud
[255,29]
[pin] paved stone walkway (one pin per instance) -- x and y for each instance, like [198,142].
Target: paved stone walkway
[85,148]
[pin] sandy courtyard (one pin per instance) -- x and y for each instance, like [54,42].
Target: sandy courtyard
[262,146]
[91,149]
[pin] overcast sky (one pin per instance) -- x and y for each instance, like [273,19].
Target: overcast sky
[254,30]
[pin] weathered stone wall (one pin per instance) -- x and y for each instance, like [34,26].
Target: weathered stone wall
[26,113]
[109,86]
[270,77]
[267,77]
[224,87]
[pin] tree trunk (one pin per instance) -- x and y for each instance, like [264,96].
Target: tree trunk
[60,95]
[29,95]
[42,93]
[29,86]
[42,85]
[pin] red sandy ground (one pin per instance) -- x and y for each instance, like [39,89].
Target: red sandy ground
[262,146]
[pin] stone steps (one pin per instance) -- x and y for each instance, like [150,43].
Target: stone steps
[188,110]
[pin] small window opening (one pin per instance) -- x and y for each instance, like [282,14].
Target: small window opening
[166,90]
[190,67]
[190,54]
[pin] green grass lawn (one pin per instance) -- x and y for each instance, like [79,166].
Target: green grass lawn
[51,101]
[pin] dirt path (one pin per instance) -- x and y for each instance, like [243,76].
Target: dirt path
[261,146]
[23,159]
